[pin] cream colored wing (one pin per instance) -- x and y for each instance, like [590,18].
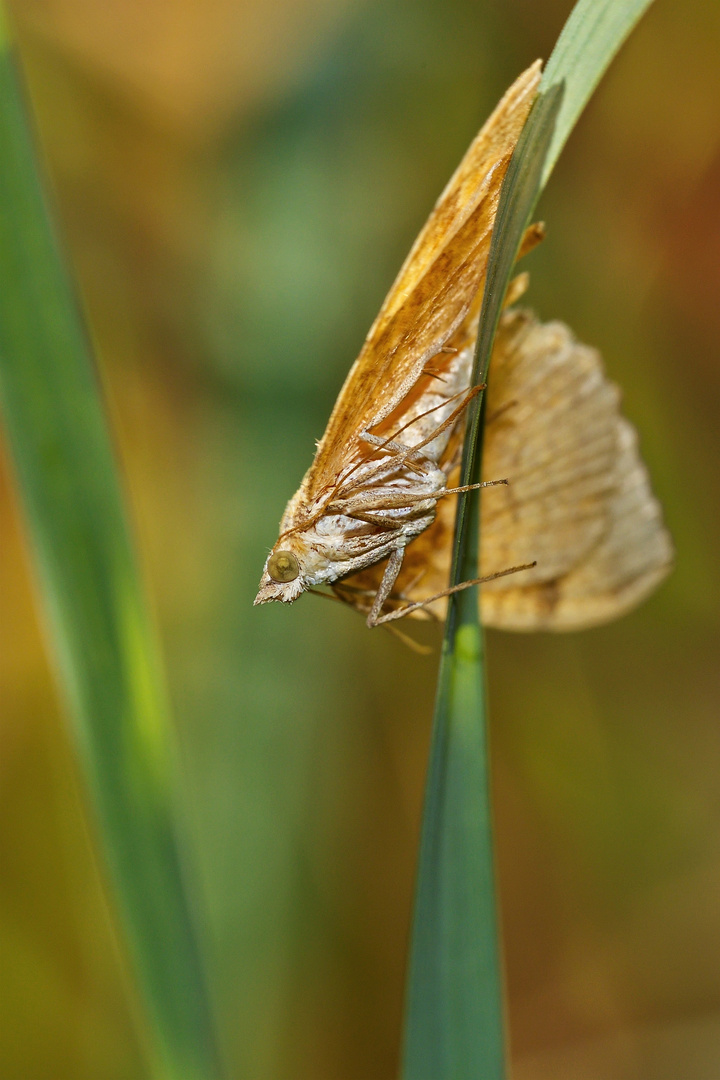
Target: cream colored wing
[630,559]
[550,430]
[578,501]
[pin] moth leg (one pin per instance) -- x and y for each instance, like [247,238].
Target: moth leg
[382,444]
[458,411]
[386,585]
[405,453]
[475,487]
[467,396]
[399,613]
[422,502]
[435,374]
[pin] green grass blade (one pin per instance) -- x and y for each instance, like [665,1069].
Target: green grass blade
[454,1020]
[517,200]
[454,1025]
[97,622]
[589,40]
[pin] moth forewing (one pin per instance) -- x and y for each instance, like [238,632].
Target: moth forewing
[381,465]
[434,289]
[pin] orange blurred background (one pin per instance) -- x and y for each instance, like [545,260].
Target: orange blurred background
[237,184]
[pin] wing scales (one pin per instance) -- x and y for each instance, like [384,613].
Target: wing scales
[433,291]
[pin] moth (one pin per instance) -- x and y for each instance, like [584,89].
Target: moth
[571,533]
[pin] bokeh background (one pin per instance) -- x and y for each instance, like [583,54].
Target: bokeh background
[237,184]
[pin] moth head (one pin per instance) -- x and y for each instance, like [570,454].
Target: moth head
[282,577]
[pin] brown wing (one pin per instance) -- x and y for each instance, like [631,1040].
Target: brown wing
[578,499]
[433,290]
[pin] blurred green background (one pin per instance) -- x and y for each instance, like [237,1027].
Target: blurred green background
[237,184]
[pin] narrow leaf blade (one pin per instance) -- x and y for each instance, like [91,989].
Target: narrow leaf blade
[588,43]
[454,1024]
[97,623]
[454,1021]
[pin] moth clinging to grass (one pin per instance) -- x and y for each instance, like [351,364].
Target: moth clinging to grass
[572,535]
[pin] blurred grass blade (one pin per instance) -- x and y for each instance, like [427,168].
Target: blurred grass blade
[454,1027]
[96,618]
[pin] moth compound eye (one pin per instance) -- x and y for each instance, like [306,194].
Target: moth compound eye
[283,566]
